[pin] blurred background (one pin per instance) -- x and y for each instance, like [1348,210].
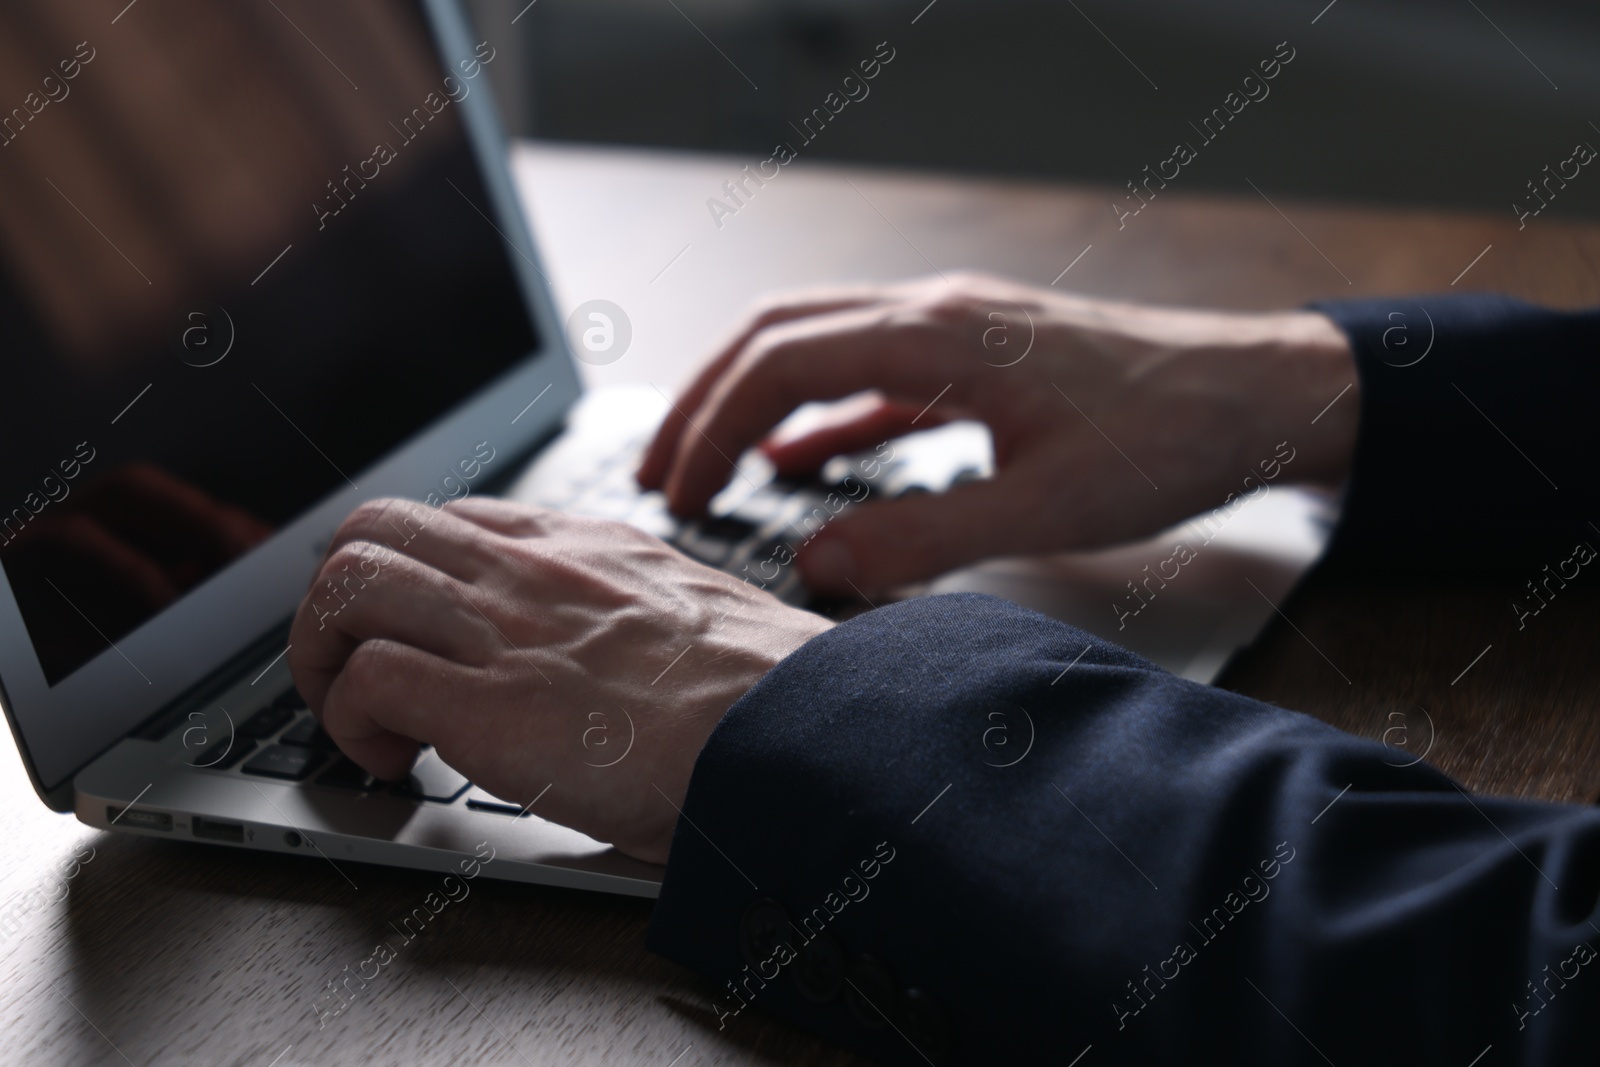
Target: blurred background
[1456,103]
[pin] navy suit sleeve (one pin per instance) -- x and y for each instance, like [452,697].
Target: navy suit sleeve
[953,830]
[1477,448]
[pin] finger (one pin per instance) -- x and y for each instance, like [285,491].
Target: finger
[883,544]
[808,451]
[832,357]
[386,699]
[439,537]
[383,595]
[653,467]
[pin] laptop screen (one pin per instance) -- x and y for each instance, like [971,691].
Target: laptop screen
[245,250]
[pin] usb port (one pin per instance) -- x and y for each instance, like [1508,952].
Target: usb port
[218,831]
[144,820]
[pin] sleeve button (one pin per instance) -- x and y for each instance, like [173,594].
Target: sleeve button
[818,969]
[763,928]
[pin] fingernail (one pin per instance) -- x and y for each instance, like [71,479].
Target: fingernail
[828,565]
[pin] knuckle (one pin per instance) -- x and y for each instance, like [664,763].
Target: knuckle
[913,326]
[765,357]
[971,280]
[369,512]
[369,667]
[367,517]
[768,310]
[372,514]
[955,305]
[349,556]
[773,344]
[773,308]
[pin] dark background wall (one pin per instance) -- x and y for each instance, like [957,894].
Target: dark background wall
[1426,102]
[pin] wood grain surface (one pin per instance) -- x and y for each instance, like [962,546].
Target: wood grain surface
[150,952]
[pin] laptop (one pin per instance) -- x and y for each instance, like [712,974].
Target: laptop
[258,264]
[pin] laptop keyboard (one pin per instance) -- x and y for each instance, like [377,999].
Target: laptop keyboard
[284,742]
[757,523]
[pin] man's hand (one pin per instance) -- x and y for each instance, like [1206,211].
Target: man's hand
[532,648]
[1110,421]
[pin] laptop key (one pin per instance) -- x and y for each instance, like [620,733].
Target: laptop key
[289,698]
[288,762]
[229,751]
[308,732]
[967,474]
[608,502]
[762,506]
[347,774]
[432,779]
[713,541]
[266,722]
[726,528]
[651,516]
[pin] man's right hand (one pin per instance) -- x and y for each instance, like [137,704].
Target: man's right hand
[1110,421]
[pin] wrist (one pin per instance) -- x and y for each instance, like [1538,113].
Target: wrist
[1294,380]
[1320,397]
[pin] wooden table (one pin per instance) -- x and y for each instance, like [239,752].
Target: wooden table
[173,953]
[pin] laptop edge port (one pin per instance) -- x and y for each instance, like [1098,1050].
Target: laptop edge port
[144,820]
[208,830]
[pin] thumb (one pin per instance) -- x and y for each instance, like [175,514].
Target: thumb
[878,545]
